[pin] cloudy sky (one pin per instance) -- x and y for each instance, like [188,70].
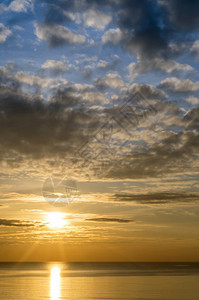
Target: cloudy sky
[99,130]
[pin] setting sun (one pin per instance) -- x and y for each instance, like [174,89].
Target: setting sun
[56,220]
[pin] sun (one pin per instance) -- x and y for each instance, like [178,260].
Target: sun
[56,220]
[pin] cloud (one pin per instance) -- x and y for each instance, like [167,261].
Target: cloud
[57,35]
[148,29]
[103,64]
[157,198]
[16,223]
[144,24]
[110,220]
[176,85]
[96,18]
[32,80]
[175,153]
[88,12]
[148,147]
[84,94]
[94,98]
[153,147]
[160,24]
[111,80]
[195,47]
[60,11]
[109,65]
[157,64]
[193,100]
[192,122]
[183,13]
[55,65]
[34,127]
[146,91]
[17,6]
[5,32]
[8,78]
[151,27]
[20,5]
[113,36]
[148,136]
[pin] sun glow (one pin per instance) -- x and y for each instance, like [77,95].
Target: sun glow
[56,220]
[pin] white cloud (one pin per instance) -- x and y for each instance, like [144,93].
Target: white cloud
[112,80]
[80,88]
[5,32]
[168,66]
[55,64]
[95,98]
[33,80]
[114,97]
[113,36]
[193,100]
[147,91]
[57,35]
[176,85]
[103,64]
[20,5]
[195,47]
[96,18]
[69,15]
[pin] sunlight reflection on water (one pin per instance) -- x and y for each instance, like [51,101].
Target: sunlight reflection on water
[59,281]
[55,283]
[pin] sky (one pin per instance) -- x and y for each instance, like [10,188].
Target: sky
[99,130]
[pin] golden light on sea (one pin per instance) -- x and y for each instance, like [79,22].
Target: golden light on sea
[55,283]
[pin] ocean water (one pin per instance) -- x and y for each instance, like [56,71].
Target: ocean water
[58,281]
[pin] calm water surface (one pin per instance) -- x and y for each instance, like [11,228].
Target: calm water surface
[58,281]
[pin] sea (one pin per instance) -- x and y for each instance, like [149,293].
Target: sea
[58,281]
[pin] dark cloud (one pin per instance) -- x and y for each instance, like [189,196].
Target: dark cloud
[157,198]
[16,223]
[150,27]
[176,152]
[32,126]
[37,128]
[192,119]
[146,28]
[171,156]
[57,35]
[7,79]
[111,220]
[59,12]
[55,13]
[184,14]
[143,23]
[146,92]
[146,24]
